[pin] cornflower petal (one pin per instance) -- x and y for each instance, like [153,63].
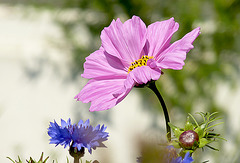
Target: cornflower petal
[59,135]
[187,158]
[65,124]
[84,124]
[88,137]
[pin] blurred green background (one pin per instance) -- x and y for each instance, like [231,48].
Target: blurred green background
[215,60]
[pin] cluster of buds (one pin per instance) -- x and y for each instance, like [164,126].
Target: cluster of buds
[196,135]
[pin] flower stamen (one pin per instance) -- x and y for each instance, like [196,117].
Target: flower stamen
[140,62]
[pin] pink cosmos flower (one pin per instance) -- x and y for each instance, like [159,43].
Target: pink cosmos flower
[131,54]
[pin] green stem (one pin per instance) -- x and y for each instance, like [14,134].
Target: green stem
[153,87]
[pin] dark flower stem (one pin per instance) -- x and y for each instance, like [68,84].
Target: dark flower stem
[153,87]
[76,159]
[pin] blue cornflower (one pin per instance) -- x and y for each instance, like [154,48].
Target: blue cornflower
[60,134]
[139,159]
[187,159]
[167,155]
[84,135]
[81,135]
[172,156]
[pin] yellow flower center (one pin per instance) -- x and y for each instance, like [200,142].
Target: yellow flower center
[139,63]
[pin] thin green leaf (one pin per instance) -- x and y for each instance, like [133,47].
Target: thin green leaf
[214,120]
[213,114]
[212,148]
[46,159]
[11,159]
[214,125]
[193,119]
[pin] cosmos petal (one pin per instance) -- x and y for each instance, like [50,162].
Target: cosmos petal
[124,41]
[100,64]
[173,57]
[159,35]
[140,75]
[144,74]
[100,93]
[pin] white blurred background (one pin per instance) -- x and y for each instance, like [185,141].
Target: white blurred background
[34,92]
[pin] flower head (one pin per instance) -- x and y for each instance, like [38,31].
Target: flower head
[172,156]
[81,135]
[84,135]
[164,155]
[187,159]
[131,54]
